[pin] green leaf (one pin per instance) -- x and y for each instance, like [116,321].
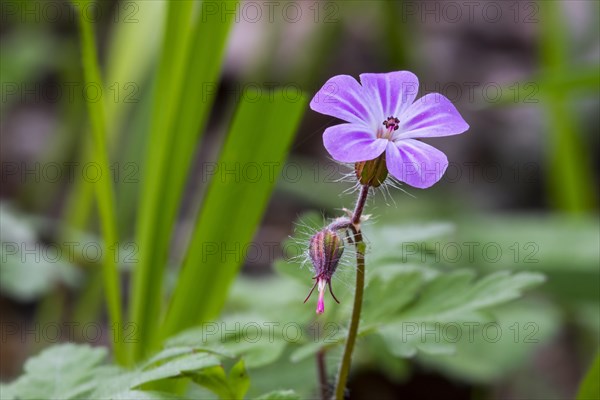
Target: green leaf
[215,380]
[388,293]
[232,387]
[455,295]
[448,300]
[239,380]
[516,331]
[175,367]
[167,364]
[70,371]
[590,386]
[279,395]
[257,340]
[111,381]
[260,137]
[60,372]
[141,395]
[405,343]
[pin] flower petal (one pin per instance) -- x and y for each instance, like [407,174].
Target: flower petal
[352,143]
[394,92]
[416,163]
[342,97]
[432,115]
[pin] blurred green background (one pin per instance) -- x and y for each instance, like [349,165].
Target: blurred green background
[525,75]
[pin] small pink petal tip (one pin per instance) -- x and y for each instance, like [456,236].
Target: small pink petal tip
[320,307]
[321,302]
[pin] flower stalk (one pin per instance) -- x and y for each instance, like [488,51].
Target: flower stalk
[344,369]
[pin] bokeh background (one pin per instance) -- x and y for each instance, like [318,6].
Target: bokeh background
[524,74]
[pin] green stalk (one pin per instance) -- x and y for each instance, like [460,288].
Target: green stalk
[360,245]
[104,189]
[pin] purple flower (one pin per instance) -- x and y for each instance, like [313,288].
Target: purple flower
[383,117]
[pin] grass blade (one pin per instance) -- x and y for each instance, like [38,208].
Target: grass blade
[202,66]
[147,277]
[203,71]
[123,89]
[260,137]
[104,189]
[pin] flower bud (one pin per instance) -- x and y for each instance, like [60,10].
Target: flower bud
[372,172]
[325,250]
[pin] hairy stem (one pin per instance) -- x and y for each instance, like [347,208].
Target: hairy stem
[344,370]
[360,205]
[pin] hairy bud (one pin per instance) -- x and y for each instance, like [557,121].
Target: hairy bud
[326,249]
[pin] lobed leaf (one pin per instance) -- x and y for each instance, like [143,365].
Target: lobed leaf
[60,372]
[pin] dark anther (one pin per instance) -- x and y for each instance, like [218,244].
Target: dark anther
[391,123]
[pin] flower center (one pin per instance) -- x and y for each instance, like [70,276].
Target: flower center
[391,124]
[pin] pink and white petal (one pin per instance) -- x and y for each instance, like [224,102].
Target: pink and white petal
[415,163]
[342,97]
[432,115]
[352,143]
[394,92]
